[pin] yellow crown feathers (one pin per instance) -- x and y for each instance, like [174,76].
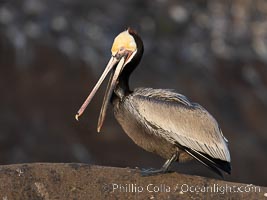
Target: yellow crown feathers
[124,39]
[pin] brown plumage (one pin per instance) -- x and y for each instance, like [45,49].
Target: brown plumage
[160,121]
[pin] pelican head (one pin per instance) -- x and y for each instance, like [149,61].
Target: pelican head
[123,50]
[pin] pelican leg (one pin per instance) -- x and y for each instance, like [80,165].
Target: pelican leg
[163,169]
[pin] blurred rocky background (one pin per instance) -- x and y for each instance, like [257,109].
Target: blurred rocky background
[53,52]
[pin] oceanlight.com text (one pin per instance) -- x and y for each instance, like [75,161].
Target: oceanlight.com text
[181,188]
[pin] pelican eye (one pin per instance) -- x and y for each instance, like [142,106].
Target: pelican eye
[121,52]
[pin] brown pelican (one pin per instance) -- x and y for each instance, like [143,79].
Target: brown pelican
[158,120]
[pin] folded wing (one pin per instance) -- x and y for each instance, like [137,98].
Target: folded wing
[182,122]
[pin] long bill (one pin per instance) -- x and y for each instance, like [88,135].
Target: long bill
[111,86]
[112,62]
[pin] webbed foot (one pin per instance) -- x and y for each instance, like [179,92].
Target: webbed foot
[163,169]
[152,171]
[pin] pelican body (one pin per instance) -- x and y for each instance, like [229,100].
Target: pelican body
[159,120]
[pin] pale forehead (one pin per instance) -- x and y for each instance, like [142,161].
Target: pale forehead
[125,40]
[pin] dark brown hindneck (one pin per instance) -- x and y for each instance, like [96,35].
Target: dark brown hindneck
[123,88]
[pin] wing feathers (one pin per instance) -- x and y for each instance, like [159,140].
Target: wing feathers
[213,164]
[187,123]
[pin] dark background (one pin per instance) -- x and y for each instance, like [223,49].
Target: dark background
[53,52]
